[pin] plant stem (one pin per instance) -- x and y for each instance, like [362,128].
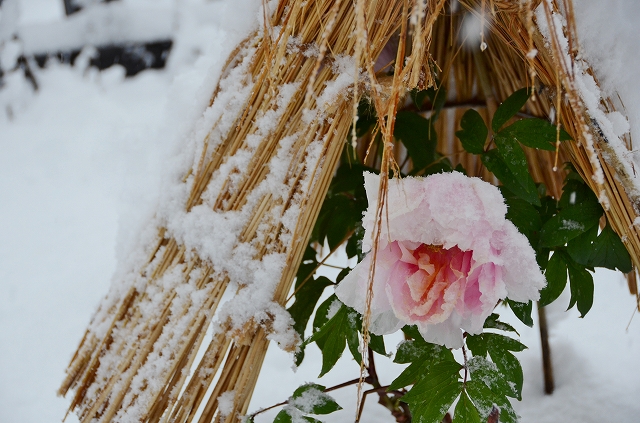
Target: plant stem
[547,365]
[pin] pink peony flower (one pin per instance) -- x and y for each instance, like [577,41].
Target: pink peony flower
[447,255]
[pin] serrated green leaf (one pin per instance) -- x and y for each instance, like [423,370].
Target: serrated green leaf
[477,344]
[509,108]
[534,133]
[409,376]
[604,250]
[569,223]
[306,299]
[556,275]
[415,350]
[465,411]
[438,375]
[474,132]
[510,368]
[487,372]
[436,405]
[496,164]
[412,332]
[581,284]
[522,311]
[422,356]
[484,399]
[498,341]
[492,322]
[418,136]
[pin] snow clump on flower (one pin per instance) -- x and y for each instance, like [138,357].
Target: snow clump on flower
[446,256]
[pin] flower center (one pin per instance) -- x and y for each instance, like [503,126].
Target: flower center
[432,271]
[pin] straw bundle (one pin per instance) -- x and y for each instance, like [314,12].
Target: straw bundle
[278,122]
[280,117]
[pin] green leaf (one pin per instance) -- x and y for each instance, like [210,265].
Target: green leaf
[312,399]
[581,283]
[534,133]
[376,342]
[354,323]
[492,322]
[432,396]
[331,337]
[556,275]
[422,356]
[418,136]
[438,375]
[306,299]
[487,372]
[510,368]
[524,216]
[575,191]
[522,311]
[604,250]
[474,132]
[569,223]
[496,164]
[515,159]
[415,350]
[484,399]
[465,411]
[509,108]
[283,417]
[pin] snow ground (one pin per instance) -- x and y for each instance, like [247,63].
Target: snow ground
[78,163]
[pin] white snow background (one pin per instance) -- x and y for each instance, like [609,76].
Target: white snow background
[80,164]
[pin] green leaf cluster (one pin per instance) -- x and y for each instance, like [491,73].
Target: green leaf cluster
[566,230]
[439,380]
[336,326]
[307,399]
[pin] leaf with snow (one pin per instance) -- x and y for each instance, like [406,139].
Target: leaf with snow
[569,223]
[430,398]
[421,355]
[311,398]
[522,311]
[499,347]
[465,411]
